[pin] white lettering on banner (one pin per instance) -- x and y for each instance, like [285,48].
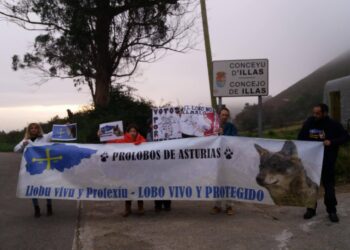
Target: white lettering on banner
[204,168]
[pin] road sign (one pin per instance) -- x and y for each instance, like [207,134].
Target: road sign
[240,78]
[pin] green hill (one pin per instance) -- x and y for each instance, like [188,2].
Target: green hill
[294,103]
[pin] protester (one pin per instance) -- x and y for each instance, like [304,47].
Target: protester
[132,135]
[226,128]
[158,204]
[320,127]
[34,134]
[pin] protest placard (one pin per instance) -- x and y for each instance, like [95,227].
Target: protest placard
[111,131]
[199,121]
[66,132]
[166,123]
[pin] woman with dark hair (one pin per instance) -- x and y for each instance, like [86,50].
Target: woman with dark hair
[132,135]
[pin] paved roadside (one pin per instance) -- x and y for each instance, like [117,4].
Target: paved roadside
[190,226]
[18,228]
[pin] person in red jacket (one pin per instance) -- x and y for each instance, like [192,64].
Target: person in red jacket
[131,136]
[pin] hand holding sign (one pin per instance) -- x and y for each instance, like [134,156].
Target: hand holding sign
[67,132]
[111,131]
[199,121]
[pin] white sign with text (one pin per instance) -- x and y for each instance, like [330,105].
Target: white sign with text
[240,78]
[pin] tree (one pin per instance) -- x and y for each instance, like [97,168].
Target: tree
[99,42]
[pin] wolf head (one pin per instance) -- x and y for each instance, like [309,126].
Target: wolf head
[279,169]
[283,175]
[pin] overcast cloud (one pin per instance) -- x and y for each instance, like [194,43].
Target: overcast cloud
[296,36]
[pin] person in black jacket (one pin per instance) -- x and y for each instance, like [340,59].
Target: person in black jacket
[320,127]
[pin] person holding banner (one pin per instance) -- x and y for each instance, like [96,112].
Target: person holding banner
[132,135]
[34,134]
[229,129]
[320,127]
[158,204]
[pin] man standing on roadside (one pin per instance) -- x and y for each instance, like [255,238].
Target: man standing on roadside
[320,127]
[226,128]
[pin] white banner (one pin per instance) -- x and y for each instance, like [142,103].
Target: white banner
[205,168]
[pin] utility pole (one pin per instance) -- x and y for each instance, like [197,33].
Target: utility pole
[208,51]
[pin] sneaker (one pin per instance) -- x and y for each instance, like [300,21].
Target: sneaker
[309,213]
[333,217]
[229,211]
[215,210]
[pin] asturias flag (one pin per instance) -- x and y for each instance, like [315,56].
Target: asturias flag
[55,156]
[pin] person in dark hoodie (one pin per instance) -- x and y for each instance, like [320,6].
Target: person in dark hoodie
[320,127]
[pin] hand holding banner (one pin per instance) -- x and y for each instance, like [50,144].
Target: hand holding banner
[205,168]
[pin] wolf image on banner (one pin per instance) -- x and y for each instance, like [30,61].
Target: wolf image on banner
[283,175]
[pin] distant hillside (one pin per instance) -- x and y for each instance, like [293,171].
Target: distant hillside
[295,103]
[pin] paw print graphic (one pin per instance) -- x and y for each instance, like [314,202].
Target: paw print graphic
[228,153]
[104,157]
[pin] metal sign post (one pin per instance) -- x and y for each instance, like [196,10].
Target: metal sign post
[260,130]
[220,103]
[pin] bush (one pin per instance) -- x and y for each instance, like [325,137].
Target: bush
[342,170]
[123,107]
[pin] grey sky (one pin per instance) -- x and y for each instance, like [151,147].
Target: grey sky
[296,36]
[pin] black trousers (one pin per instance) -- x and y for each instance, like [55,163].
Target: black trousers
[328,181]
[166,203]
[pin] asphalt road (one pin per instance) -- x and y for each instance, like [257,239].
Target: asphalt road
[18,227]
[190,226]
